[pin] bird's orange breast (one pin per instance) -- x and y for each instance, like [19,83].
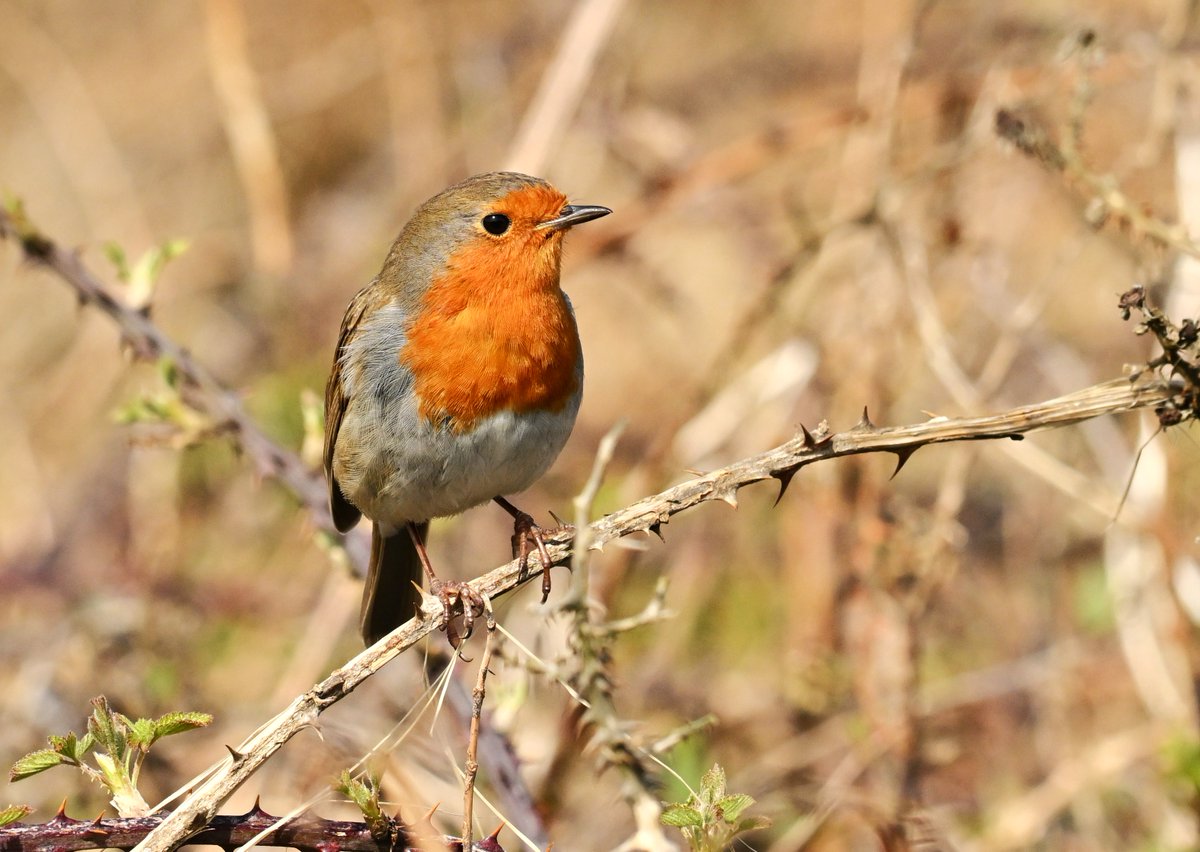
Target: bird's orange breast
[494,333]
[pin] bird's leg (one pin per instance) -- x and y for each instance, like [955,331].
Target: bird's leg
[454,595]
[527,532]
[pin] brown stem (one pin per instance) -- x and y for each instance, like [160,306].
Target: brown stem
[472,764]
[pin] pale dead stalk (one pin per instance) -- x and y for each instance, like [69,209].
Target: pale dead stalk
[251,138]
[563,84]
[583,503]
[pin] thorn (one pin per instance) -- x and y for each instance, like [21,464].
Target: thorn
[557,519]
[256,810]
[429,815]
[695,471]
[656,528]
[809,443]
[729,495]
[785,479]
[61,816]
[491,843]
[95,829]
[902,456]
[864,423]
[234,753]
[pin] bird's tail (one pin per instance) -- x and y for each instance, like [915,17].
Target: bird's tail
[390,597]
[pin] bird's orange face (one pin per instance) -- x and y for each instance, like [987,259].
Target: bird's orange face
[494,331]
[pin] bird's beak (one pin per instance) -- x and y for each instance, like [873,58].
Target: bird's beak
[573,214]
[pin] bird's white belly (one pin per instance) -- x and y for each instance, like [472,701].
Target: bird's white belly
[420,471]
[395,466]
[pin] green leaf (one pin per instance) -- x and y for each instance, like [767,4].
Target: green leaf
[753,823]
[69,747]
[35,762]
[130,413]
[83,746]
[119,260]
[682,816]
[151,264]
[148,409]
[141,733]
[178,723]
[13,813]
[103,726]
[168,371]
[713,783]
[364,794]
[731,807]
[142,275]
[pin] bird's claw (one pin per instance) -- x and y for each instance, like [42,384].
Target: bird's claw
[457,599]
[527,535]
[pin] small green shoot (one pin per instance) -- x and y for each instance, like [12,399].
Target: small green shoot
[364,793]
[141,278]
[711,820]
[166,407]
[118,746]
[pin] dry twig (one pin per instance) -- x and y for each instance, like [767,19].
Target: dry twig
[472,764]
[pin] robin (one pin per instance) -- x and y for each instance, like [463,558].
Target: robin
[456,380]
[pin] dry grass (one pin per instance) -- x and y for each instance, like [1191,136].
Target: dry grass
[813,213]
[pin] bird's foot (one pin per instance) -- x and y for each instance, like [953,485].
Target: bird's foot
[527,537]
[460,602]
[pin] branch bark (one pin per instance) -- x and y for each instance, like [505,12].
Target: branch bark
[308,834]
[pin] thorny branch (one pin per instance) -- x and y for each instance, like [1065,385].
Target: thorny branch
[308,834]
[1148,388]
[199,388]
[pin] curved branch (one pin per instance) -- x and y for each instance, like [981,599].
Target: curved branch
[199,388]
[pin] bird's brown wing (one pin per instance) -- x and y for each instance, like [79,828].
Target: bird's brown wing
[345,514]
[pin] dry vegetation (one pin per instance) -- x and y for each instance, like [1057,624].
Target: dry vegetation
[814,213]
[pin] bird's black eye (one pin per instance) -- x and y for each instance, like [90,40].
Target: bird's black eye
[496,223]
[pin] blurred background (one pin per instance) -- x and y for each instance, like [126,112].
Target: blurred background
[812,214]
